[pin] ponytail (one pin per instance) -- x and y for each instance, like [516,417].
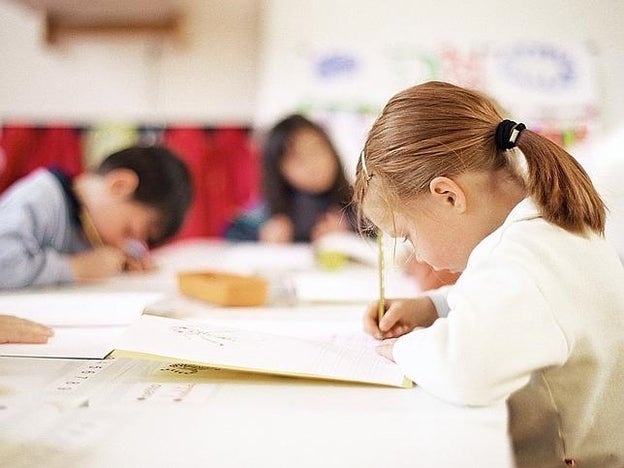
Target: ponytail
[437,128]
[560,187]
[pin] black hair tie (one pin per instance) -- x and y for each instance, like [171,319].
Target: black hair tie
[507,133]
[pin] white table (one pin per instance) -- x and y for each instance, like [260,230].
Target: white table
[127,413]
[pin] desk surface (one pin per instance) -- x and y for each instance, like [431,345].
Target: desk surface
[128,413]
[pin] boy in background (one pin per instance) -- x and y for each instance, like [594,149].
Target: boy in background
[57,230]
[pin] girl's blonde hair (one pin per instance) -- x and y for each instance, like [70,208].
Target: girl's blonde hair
[439,129]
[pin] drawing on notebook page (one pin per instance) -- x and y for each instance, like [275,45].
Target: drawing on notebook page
[180,368]
[219,337]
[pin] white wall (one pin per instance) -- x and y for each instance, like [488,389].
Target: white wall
[232,52]
[209,77]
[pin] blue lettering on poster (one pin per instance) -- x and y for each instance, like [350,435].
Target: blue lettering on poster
[335,65]
[541,67]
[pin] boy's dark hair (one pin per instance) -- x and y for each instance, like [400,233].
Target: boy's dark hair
[277,191]
[164,184]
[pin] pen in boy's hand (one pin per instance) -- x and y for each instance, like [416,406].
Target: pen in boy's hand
[89,229]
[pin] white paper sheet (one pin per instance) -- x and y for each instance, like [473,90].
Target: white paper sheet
[86,325]
[73,342]
[351,285]
[78,308]
[262,258]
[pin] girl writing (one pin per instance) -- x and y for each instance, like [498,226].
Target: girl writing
[537,316]
[304,188]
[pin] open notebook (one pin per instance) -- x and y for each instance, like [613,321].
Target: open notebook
[221,346]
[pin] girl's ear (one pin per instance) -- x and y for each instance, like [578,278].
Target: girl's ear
[122,182]
[448,193]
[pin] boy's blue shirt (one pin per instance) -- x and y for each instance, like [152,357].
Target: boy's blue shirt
[73,205]
[40,228]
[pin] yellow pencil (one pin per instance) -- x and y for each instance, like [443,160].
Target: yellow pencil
[91,232]
[381,306]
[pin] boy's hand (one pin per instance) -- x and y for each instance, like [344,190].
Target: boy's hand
[97,264]
[401,317]
[140,265]
[19,330]
[138,258]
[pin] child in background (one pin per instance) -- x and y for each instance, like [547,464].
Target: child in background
[537,316]
[57,230]
[19,330]
[305,191]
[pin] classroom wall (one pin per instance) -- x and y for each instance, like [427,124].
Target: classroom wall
[233,52]
[207,76]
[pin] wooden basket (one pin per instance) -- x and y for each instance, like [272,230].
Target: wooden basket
[224,288]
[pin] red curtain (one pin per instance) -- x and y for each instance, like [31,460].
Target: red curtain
[223,163]
[224,166]
[26,148]
[242,163]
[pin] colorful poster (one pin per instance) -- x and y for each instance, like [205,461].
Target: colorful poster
[549,86]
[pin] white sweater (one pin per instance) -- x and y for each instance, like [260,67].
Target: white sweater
[536,318]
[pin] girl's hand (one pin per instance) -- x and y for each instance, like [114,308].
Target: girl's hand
[279,229]
[97,264]
[331,221]
[401,317]
[19,330]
